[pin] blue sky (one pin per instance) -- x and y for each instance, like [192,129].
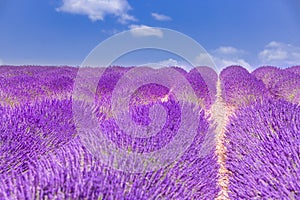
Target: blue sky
[63,32]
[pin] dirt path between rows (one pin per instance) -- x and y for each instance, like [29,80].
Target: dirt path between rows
[220,114]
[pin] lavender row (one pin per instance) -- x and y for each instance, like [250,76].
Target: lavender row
[49,160]
[30,131]
[72,173]
[240,88]
[43,155]
[282,83]
[29,83]
[262,142]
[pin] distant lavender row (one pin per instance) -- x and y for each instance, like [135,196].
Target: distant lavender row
[30,83]
[240,88]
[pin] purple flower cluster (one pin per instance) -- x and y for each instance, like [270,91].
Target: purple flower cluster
[240,88]
[294,69]
[31,83]
[28,132]
[266,74]
[43,157]
[282,83]
[204,81]
[262,142]
[71,172]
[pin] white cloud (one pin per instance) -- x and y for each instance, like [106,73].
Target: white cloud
[164,63]
[268,55]
[273,44]
[98,9]
[1,62]
[168,63]
[110,31]
[124,19]
[222,57]
[204,59]
[161,17]
[280,54]
[223,62]
[227,50]
[143,30]
[174,63]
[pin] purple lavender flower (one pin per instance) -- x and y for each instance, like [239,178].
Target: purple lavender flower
[294,69]
[203,80]
[281,83]
[262,142]
[266,74]
[240,88]
[30,131]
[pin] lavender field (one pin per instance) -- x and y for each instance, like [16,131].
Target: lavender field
[236,135]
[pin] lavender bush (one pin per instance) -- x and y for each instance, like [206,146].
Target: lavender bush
[210,77]
[30,83]
[262,142]
[203,80]
[240,88]
[294,69]
[281,83]
[266,74]
[31,131]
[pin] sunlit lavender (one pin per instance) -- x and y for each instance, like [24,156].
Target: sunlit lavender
[45,156]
